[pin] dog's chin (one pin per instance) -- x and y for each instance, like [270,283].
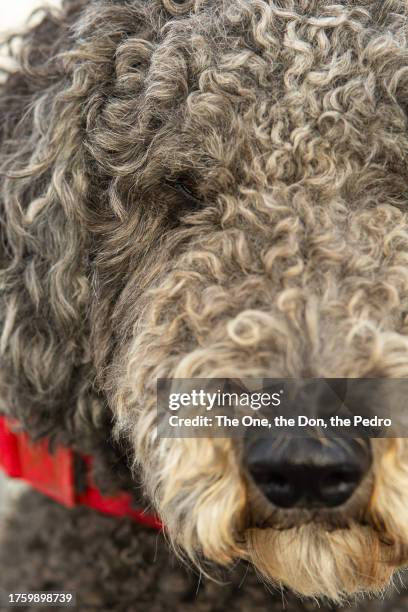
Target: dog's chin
[317,562]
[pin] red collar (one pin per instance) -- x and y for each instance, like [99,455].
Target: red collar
[53,475]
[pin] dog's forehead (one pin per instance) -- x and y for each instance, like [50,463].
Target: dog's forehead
[253,95]
[243,54]
[277,77]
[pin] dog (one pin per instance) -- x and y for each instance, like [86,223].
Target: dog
[208,189]
[113,564]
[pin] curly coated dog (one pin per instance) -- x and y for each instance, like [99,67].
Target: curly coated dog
[118,566]
[211,188]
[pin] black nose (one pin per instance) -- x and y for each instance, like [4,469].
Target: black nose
[307,472]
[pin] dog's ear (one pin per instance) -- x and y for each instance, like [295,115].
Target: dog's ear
[43,283]
[48,206]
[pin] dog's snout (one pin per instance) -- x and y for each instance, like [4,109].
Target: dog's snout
[308,472]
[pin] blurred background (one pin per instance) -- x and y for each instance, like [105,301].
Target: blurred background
[13,13]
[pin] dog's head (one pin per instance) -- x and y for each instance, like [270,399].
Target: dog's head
[217,189]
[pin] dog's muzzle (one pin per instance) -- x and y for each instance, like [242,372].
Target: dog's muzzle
[308,472]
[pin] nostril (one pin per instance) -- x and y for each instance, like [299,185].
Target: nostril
[278,487]
[338,478]
[281,490]
[336,486]
[265,476]
[278,480]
